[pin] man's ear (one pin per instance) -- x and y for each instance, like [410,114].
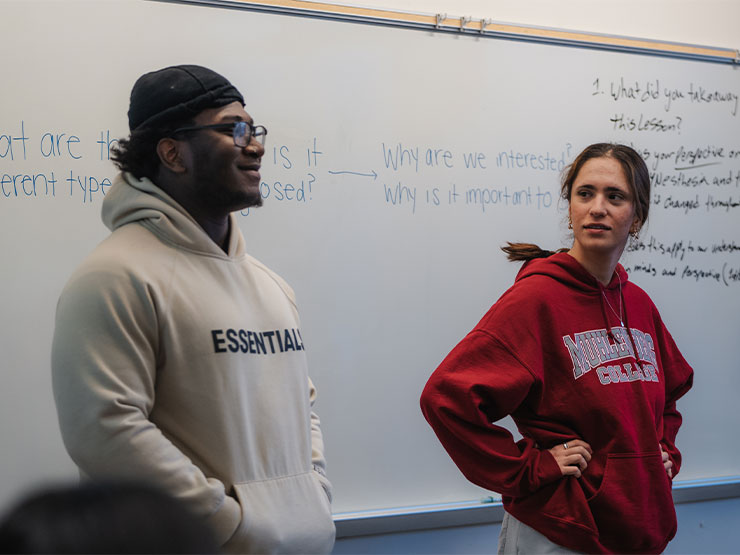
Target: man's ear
[171,155]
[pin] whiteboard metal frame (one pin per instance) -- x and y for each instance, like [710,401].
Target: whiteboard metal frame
[479,27]
[489,511]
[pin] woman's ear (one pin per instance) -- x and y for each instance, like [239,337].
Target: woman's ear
[171,155]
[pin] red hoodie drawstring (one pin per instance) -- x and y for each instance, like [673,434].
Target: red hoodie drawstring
[623,311]
[602,298]
[629,332]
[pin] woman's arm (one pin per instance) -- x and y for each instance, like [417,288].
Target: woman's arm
[478,383]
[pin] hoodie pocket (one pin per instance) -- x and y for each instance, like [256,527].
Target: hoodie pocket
[283,515]
[633,507]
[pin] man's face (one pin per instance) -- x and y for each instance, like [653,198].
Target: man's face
[226,177]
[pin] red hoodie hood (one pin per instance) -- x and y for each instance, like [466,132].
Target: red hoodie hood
[568,271]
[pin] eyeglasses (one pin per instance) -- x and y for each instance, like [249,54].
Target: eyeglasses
[242,131]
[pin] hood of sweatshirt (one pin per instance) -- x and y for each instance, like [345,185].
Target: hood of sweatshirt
[568,271]
[132,200]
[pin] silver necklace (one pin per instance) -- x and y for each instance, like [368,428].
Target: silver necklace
[619,316]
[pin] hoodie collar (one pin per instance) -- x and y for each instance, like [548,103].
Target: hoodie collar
[132,200]
[567,270]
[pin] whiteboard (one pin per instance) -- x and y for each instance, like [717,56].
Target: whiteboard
[398,162]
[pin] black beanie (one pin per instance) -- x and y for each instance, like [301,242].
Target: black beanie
[176,93]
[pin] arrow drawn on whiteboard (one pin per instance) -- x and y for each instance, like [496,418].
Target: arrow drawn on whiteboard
[374,175]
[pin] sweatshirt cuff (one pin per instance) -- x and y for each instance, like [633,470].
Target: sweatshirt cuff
[548,470]
[226,520]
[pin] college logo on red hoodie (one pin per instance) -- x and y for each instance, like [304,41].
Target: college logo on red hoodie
[594,349]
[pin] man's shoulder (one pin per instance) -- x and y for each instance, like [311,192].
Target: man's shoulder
[261,268]
[126,253]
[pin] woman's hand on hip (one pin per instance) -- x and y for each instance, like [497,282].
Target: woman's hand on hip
[667,463]
[572,456]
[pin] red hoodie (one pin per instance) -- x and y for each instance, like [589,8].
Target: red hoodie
[553,354]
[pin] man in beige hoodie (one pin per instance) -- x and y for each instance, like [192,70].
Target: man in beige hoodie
[178,358]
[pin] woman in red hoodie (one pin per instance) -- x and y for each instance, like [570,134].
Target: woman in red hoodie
[581,360]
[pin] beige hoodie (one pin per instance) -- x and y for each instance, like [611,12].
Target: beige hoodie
[176,363]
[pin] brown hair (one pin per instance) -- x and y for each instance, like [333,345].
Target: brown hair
[637,176]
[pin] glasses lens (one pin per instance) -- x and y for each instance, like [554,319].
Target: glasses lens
[242,133]
[260,133]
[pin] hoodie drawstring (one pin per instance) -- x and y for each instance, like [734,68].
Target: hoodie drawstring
[629,332]
[608,327]
[622,315]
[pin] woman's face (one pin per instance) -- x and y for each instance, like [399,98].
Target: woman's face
[601,209]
